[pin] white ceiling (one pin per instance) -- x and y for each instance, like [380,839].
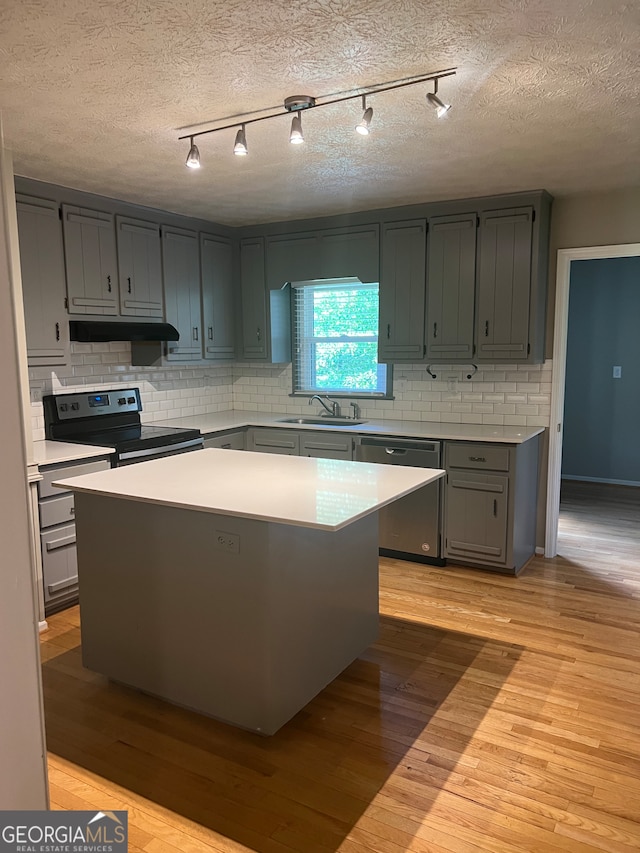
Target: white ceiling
[546,96]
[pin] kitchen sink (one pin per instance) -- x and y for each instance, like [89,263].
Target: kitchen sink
[328,421]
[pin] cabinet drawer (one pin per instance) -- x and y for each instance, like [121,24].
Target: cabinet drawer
[228,441]
[50,475]
[325,445]
[486,457]
[59,563]
[57,510]
[275,441]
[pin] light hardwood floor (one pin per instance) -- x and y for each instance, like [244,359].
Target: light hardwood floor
[493,714]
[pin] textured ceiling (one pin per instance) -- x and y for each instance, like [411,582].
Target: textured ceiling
[94,94]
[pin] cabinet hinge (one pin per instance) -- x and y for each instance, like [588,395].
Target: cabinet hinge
[528,349]
[60,213]
[477,221]
[533,215]
[66,302]
[424,349]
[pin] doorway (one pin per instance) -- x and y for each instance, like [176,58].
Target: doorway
[563,280]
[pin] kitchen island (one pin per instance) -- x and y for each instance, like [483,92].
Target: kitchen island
[238,585]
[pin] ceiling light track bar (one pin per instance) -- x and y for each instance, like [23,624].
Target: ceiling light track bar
[312,103]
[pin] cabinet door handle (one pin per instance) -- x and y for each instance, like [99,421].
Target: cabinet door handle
[72,511]
[195,333]
[435,330]
[57,331]
[388,330]
[258,334]
[129,284]
[486,328]
[109,283]
[495,508]
[210,333]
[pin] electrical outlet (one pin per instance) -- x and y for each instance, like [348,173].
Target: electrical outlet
[452,384]
[617,371]
[229,542]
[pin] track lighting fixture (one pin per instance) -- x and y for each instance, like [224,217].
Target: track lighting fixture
[297,103]
[440,107]
[363,128]
[193,157]
[296,137]
[240,147]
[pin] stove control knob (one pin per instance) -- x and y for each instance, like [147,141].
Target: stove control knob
[64,407]
[131,399]
[75,407]
[121,401]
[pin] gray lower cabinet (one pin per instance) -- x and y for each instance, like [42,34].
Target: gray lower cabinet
[402,291]
[43,281]
[234,440]
[319,444]
[490,504]
[58,534]
[139,267]
[181,268]
[326,445]
[90,261]
[451,275]
[286,441]
[218,302]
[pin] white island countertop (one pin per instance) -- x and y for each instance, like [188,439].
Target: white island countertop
[325,494]
[238,419]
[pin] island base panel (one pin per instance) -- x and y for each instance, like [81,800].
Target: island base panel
[247,637]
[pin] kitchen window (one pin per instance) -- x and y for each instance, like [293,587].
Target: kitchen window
[335,339]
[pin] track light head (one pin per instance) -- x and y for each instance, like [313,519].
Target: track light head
[240,148]
[193,157]
[439,106]
[364,127]
[296,137]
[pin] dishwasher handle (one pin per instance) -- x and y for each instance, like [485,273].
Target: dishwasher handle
[393,445]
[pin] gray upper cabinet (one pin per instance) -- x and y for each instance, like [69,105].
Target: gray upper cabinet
[451,274]
[402,291]
[90,260]
[43,283]
[216,266]
[294,257]
[504,284]
[181,267]
[139,267]
[351,252]
[254,299]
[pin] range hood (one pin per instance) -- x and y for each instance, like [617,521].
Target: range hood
[101,331]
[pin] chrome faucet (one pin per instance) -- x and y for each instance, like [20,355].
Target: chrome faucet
[333,409]
[356,410]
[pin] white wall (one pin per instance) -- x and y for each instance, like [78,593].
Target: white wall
[23,779]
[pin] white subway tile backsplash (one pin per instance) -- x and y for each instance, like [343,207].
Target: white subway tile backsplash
[509,394]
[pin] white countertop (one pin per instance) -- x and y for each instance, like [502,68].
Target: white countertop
[238,419]
[53,452]
[327,494]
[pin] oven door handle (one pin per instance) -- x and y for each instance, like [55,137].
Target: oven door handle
[164,450]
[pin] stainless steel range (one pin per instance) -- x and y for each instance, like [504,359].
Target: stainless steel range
[112,419]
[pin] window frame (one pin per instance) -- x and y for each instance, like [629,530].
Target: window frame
[341,394]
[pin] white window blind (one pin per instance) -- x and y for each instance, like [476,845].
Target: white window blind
[335,338]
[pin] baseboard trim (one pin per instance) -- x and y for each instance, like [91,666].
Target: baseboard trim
[601,480]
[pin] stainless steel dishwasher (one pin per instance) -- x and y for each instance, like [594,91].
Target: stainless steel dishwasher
[409,527]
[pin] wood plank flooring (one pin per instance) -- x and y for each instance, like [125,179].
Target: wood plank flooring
[493,714]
